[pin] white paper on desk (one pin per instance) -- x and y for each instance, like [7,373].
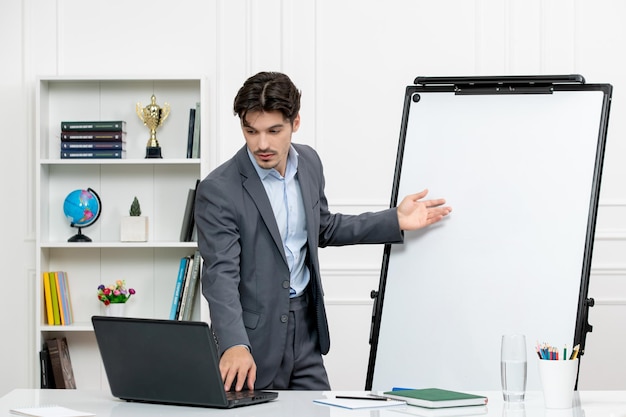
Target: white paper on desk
[50,411]
[353,404]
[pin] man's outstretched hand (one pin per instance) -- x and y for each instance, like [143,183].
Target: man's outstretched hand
[415,213]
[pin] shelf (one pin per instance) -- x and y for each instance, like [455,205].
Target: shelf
[92,245]
[77,327]
[134,161]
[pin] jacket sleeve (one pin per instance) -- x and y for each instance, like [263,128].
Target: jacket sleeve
[336,229]
[218,241]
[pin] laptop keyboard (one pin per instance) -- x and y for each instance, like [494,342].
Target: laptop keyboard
[241,395]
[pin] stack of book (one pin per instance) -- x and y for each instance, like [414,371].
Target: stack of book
[187,283]
[56,365]
[58,304]
[84,139]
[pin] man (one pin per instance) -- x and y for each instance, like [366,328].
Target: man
[261,217]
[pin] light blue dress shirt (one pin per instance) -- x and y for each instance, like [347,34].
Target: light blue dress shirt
[285,197]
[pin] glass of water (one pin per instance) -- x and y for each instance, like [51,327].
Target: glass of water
[513,367]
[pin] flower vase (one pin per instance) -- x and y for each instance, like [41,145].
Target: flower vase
[115,310]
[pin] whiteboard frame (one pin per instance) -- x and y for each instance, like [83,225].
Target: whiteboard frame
[495,87]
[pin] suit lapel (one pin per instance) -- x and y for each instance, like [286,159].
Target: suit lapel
[254,187]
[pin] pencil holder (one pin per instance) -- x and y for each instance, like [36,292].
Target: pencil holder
[558,378]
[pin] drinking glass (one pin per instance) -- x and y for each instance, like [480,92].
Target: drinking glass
[513,367]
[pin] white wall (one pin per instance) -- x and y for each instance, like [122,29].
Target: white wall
[17,236]
[352,60]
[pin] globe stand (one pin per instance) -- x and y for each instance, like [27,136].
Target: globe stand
[79,237]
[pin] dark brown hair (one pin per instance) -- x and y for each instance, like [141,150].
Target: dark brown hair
[268,91]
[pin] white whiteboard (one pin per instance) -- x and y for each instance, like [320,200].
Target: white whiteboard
[519,171]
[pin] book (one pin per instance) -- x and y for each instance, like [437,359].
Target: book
[187,228]
[94,126]
[93,154]
[59,287]
[48,299]
[54,298]
[182,297]
[50,411]
[70,311]
[183,294]
[194,278]
[192,122]
[80,136]
[61,363]
[64,298]
[195,152]
[106,145]
[182,289]
[66,364]
[178,288]
[436,397]
[47,380]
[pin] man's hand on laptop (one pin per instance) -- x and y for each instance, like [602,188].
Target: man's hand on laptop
[237,366]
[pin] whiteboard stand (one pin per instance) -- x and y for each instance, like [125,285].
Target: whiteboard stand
[519,158]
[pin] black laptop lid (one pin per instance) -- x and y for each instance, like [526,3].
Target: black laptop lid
[162,361]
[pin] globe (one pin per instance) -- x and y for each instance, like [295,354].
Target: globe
[82,209]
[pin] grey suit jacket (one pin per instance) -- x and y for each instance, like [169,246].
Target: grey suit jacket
[245,277]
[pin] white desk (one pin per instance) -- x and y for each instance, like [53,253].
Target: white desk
[300,404]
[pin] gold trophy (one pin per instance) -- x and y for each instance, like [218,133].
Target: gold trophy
[153,116]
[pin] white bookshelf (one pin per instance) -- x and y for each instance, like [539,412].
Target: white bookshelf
[161,185]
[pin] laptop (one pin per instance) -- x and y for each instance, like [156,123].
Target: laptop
[166,362]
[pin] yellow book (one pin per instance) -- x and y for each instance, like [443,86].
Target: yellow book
[48,298]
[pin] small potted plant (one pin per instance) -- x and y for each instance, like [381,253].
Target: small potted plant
[134,227]
[114,297]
